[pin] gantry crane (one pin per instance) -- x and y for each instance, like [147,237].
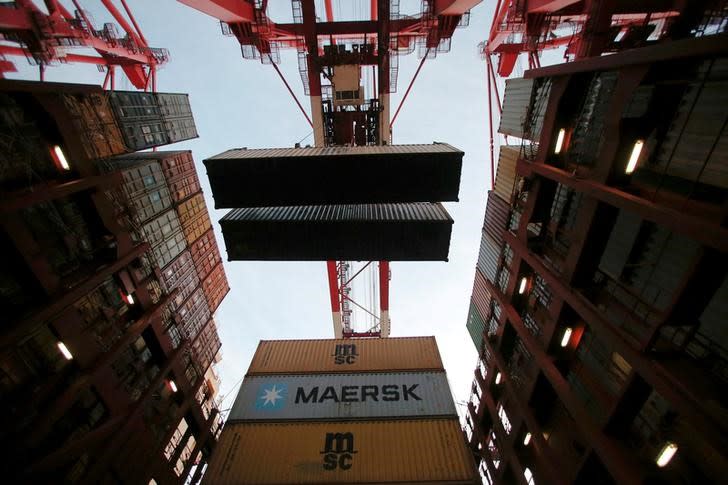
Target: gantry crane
[45,39]
[331,58]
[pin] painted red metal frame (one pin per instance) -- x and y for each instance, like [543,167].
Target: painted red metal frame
[44,37]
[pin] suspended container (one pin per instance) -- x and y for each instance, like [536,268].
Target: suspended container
[335,175]
[366,232]
[412,451]
[346,356]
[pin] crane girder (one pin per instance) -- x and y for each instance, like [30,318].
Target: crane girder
[40,35]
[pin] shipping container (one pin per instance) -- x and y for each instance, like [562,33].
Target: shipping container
[334,356]
[179,170]
[516,103]
[180,274]
[194,217]
[489,257]
[481,296]
[145,124]
[405,452]
[310,176]
[695,147]
[193,314]
[206,345]
[475,325]
[366,232]
[215,286]
[505,175]
[93,119]
[496,216]
[164,234]
[343,397]
[205,253]
[144,186]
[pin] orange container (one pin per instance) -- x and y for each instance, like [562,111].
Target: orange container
[332,356]
[404,452]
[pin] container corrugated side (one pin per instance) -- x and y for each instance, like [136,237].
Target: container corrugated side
[239,153]
[345,356]
[516,101]
[488,257]
[414,211]
[481,296]
[413,451]
[496,216]
[475,325]
[505,175]
[343,397]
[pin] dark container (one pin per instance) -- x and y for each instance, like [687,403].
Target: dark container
[366,232]
[335,175]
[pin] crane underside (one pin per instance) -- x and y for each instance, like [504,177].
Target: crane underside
[349,69]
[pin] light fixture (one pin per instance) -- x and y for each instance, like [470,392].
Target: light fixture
[666,454]
[559,141]
[64,350]
[634,156]
[497,378]
[527,439]
[172,385]
[567,336]
[522,286]
[130,299]
[61,157]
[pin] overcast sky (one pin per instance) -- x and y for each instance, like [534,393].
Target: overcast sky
[242,103]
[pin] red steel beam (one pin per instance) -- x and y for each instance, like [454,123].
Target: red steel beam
[290,91]
[454,7]
[329,11]
[230,11]
[122,21]
[333,286]
[134,22]
[406,93]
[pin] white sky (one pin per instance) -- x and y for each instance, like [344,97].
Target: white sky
[239,102]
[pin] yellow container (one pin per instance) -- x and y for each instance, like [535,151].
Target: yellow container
[415,451]
[332,356]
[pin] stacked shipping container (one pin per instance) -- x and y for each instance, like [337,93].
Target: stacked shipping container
[343,411]
[177,225]
[602,273]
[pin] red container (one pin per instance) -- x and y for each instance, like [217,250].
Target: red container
[215,287]
[205,254]
[179,170]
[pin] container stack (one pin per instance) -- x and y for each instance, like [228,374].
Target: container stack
[343,411]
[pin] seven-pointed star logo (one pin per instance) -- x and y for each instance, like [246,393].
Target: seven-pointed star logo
[271,396]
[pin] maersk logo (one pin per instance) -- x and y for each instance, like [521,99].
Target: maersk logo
[271,396]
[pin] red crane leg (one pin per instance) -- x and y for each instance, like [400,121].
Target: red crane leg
[334,295]
[385,325]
